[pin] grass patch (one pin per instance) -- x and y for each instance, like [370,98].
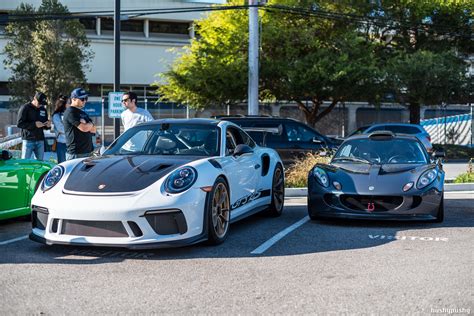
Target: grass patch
[297,175]
[467,177]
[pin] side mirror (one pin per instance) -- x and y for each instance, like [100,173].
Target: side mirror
[439,154]
[6,155]
[241,150]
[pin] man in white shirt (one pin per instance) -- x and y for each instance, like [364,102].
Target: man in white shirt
[133,115]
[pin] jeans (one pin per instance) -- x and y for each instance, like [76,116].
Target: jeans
[61,151]
[74,156]
[32,146]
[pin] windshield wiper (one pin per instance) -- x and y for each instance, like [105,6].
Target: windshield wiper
[362,160]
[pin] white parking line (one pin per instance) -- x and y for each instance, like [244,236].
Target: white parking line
[263,247]
[6,242]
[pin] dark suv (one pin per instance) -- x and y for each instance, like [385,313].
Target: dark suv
[292,139]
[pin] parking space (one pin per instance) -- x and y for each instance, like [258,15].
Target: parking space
[308,267]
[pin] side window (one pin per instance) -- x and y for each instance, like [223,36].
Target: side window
[230,143]
[246,139]
[300,133]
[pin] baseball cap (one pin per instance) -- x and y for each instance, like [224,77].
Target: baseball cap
[41,97]
[79,93]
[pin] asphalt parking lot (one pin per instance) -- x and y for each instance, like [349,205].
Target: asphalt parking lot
[267,265]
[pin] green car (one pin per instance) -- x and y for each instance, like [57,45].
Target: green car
[19,179]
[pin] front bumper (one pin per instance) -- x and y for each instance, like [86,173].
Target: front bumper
[419,205]
[137,221]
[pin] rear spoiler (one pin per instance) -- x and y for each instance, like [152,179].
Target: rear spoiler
[272,130]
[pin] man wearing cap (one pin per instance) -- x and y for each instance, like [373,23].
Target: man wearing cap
[78,127]
[33,119]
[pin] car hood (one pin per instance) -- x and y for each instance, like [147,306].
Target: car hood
[114,174]
[375,179]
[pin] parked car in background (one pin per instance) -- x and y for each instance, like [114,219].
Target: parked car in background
[379,176]
[399,128]
[19,179]
[290,138]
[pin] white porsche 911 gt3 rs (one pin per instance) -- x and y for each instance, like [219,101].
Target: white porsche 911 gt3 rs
[160,184]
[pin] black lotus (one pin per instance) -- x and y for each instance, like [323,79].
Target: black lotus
[378,176]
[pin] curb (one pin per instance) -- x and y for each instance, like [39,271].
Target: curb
[448,187]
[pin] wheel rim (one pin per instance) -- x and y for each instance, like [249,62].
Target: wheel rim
[278,189]
[220,210]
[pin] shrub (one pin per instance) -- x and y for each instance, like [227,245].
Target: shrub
[297,174]
[467,177]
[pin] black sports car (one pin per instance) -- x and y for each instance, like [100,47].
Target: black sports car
[378,176]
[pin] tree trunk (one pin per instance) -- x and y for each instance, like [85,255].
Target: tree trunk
[415,113]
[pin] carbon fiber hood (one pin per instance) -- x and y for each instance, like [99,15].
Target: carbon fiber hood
[115,174]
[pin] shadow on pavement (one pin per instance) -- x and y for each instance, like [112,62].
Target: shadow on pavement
[248,234]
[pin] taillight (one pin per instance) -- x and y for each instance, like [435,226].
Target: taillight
[428,138]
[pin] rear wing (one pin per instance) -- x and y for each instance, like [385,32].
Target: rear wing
[264,131]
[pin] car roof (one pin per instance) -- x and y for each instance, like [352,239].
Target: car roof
[257,118]
[198,121]
[395,124]
[383,133]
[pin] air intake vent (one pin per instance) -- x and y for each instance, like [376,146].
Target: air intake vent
[167,222]
[371,203]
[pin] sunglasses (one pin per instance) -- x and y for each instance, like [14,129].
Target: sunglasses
[125,100]
[83,99]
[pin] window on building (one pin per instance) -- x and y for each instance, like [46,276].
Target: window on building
[127,27]
[166,27]
[3,21]
[89,23]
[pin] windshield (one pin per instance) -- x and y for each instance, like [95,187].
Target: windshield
[389,151]
[168,139]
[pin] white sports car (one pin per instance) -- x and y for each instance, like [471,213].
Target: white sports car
[164,183]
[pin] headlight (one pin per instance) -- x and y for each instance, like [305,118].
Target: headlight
[321,176]
[52,178]
[426,178]
[180,180]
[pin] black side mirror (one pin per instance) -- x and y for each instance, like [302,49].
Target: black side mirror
[439,154]
[6,155]
[242,149]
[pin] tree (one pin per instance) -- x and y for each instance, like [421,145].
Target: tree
[302,59]
[46,55]
[422,49]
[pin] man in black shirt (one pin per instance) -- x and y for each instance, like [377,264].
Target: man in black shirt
[78,127]
[33,119]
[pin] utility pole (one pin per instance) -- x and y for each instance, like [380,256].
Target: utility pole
[117,60]
[253,59]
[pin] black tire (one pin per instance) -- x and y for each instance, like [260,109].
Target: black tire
[277,192]
[440,215]
[218,212]
[312,216]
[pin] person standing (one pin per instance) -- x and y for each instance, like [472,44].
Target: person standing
[78,127]
[57,119]
[133,115]
[33,119]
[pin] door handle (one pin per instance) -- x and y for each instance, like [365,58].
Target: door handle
[257,166]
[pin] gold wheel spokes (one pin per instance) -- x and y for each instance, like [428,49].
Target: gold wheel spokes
[220,210]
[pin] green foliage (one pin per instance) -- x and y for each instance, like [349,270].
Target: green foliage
[301,58]
[310,59]
[45,55]
[423,49]
[467,177]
